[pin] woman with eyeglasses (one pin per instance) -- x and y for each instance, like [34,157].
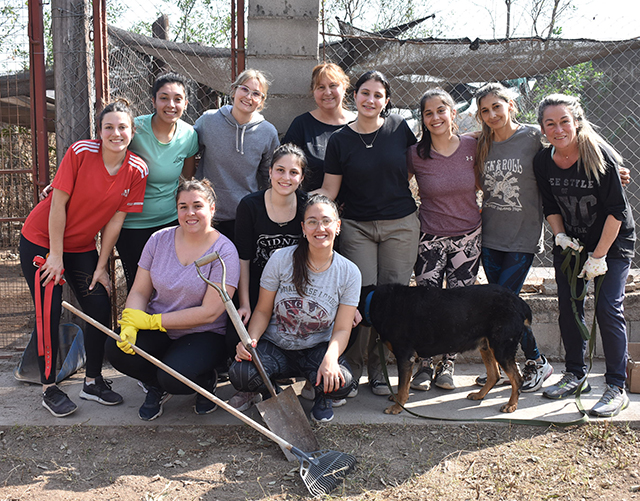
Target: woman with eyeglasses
[236,144]
[302,322]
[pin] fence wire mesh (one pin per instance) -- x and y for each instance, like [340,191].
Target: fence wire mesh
[16,185]
[192,38]
[602,74]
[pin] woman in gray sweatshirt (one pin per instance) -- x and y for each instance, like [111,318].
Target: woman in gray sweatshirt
[236,145]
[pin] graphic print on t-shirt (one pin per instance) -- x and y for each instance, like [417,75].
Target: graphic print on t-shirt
[268,244]
[501,175]
[301,317]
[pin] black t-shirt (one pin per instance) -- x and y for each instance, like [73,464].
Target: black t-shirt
[375,182]
[257,236]
[312,136]
[585,204]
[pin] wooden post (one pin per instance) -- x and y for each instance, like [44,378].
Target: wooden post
[159,29]
[72,63]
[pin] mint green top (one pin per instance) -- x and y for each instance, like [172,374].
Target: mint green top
[165,161]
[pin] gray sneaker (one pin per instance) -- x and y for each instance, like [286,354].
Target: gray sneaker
[424,375]
[379,388]
[444,375]
[613,401]
[567,386]
[535,373]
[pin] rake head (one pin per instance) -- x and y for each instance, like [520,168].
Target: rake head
[322,471]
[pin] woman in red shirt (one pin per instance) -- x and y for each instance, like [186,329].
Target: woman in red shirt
[98,182]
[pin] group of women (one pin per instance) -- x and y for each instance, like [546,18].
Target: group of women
[297,295]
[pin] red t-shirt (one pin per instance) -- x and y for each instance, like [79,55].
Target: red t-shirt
[95,196]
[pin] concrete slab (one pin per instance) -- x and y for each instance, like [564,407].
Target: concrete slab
[21,403]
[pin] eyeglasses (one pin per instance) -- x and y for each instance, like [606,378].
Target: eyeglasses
[312,224]
[246,91]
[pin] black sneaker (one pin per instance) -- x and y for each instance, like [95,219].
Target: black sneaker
[57,402]
[100,391]
[152,407]
[203,404]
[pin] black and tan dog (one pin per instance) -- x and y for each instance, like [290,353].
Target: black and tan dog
[430,321]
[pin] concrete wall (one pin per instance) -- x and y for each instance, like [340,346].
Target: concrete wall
[547,333]
[282,41]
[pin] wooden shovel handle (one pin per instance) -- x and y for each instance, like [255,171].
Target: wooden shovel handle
[139,351]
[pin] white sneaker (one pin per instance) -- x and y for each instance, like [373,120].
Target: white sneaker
[444,375]
[535,373]
[613,401]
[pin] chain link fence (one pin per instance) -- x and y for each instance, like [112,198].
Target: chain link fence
[147,39]
[16,182]
[603,74]
[135,58]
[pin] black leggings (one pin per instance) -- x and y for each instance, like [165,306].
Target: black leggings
[130,244]
[196,356]
[79,268]
[282,364]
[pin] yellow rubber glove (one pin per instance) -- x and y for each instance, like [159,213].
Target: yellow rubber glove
[141,320]
[128,336]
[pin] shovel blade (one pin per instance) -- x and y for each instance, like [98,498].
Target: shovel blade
[285,417]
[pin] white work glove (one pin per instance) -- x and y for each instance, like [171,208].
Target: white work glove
[564,241]
[594,267]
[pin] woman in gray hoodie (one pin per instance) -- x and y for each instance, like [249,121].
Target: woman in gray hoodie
[236,145]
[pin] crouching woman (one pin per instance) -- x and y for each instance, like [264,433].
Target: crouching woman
[305,311]
[171,313]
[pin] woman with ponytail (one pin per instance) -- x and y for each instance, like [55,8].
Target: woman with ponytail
[303,319]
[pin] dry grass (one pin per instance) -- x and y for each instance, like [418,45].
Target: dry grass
[464,462]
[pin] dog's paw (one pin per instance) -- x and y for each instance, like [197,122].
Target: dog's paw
[508,408]
[393,409]
[475,396]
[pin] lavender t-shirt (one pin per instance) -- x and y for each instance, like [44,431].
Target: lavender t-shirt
[178,287]
[447,187]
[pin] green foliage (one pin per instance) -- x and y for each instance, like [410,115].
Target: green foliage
[14,56]
[574,80]
[207,22]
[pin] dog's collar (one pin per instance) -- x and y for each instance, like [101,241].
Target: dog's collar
[367,304]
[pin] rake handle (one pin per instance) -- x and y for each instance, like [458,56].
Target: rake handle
[139,351]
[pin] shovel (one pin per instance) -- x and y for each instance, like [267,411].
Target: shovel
[282,413]
[321,471]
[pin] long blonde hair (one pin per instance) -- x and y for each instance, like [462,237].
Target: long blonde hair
[485,139]
[590,143]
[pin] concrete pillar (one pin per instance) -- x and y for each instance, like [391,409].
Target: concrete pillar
[282,41]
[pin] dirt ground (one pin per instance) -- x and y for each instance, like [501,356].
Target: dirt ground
[463,462]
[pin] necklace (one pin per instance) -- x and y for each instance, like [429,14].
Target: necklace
[318,268]
[367,146]
[290,210]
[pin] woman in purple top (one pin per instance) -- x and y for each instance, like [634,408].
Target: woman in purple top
[170,312]
[450,240]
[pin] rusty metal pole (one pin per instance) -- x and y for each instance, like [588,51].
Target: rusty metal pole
[100,53]
[39,140]
[234,51]
[240,45]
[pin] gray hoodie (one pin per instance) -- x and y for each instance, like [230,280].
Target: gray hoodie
[234,157]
